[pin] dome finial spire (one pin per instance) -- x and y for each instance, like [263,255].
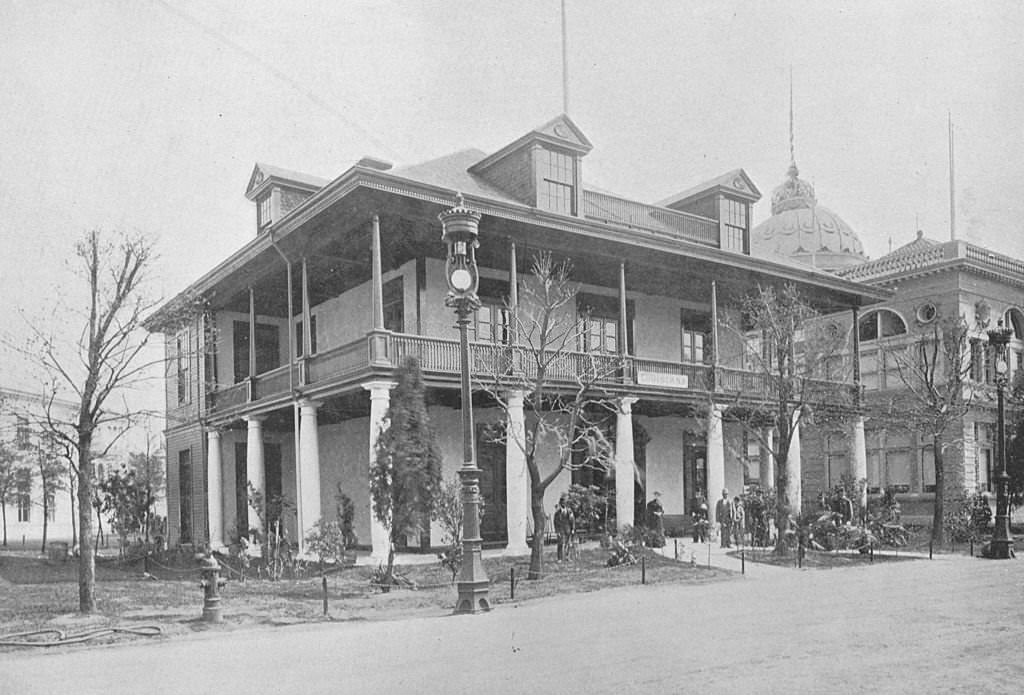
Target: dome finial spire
[792,149]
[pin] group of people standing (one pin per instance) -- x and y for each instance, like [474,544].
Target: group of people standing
[731,516]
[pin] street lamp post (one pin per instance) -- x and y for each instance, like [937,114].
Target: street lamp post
[460,228]
[1002,541]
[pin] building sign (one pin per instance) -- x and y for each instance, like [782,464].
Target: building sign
[672,381]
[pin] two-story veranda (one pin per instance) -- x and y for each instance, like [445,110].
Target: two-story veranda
[301,329]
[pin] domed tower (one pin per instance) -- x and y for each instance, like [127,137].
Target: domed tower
[802,229]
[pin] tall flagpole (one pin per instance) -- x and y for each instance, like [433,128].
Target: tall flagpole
[565,65]
[952,179]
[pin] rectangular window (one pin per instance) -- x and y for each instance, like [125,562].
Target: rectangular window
[300,337]
[869,371]
[695,328]
[897,470]
[735,219]
[23,494]
[51,503]
[492,323]
[981,369]
[394,305]
[558,174]
[23,434]
[268,349]
[264,211]
[928,469]
[185,496]
[599,334]
[183,365]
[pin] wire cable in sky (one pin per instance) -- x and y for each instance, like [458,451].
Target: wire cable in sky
[282,76]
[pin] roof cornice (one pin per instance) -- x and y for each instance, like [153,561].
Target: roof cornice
[361,177]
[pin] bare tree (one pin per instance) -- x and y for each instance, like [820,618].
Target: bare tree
[8,479]
[792,377]
[51,469]
[936,372]
[105,358]
[565,408]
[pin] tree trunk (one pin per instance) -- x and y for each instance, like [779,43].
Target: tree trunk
[74,520]
[782,510]
[539,524]
[938,535]
[46,516]
[389,574]
[87,557]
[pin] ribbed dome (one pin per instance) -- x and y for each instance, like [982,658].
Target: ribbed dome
[800,228]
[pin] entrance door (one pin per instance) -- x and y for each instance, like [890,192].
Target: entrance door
[490,456]
[695,472]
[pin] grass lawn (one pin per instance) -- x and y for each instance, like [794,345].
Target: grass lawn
[37,593]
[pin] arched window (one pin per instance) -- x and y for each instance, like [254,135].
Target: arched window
[1014,318]
[881,323]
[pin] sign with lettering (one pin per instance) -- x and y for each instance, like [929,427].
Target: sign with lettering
[672,381]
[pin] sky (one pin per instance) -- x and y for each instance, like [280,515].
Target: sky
[148,115]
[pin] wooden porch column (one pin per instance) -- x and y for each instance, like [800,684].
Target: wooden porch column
[859,454]
[377,284]
[714,349]
[624,463]
[255,469]
[794,468]
[308,495]
[252,332]
[623,320]
[715,459]
[517,481]
[380,399]
[513,294]
[214,490]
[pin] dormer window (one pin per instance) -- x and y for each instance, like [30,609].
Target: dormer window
[263,211]
[734,217]
[558,182]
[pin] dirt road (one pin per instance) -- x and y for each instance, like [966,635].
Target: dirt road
[950,625]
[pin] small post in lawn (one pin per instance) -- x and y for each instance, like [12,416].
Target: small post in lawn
[323,584]
[643,569]
[675,542]
[972,547]
[709,555]
[929,550]
[512,582]
[743,561]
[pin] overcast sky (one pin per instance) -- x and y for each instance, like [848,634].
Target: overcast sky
[149,114]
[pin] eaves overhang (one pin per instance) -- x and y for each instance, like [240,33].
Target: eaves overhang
[359,177]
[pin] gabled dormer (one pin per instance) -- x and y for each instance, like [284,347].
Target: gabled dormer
[277,192]
[542,168]
[726,198]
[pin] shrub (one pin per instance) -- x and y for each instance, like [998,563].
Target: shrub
[968,517]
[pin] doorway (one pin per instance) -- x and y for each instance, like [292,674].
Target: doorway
[490,455]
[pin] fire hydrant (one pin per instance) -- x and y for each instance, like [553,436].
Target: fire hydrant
[211,585]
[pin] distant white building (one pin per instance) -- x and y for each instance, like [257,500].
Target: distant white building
[26,506]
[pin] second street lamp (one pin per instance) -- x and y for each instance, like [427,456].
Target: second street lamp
[460,228]
[1002,542]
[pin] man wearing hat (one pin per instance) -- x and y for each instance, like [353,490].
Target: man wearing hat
[725,514]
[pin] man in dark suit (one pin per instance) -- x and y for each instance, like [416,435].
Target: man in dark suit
[725,514]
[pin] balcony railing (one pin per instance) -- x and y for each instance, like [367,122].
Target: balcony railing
[663,221]
[487,362]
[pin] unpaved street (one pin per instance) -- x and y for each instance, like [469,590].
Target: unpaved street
[954,624]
